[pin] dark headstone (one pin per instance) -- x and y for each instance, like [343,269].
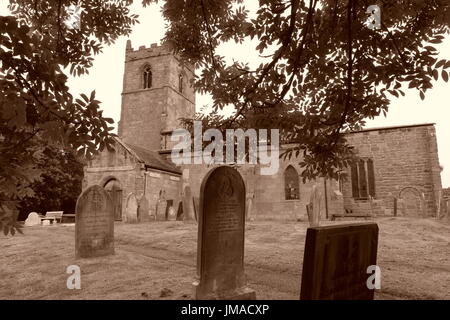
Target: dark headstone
[180,213]
[94,223]
[335,262]
[220,254]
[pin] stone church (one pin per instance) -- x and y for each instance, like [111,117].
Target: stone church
[398,171]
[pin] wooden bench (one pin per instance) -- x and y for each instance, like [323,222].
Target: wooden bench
[53,216]
[350,215]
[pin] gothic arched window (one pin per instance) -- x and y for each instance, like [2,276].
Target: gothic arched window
[147,78]
[180,83]
[291,184]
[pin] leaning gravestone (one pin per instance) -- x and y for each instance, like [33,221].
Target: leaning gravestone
[314,208]
[33,219]
[131,211]
[335,262]
[94,223]
[220,252]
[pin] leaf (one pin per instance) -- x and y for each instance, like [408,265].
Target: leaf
[422,95]
[445,75]
[440,63]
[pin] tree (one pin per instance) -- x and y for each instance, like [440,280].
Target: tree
[325,69]
[59,184]
[35,47]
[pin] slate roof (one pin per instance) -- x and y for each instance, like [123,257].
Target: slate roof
[151,159]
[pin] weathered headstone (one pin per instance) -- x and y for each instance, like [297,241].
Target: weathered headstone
[170,212]
[188,205]
[335,262]
[33,219]
[220,252]
[249,199]
[131,211]
[195,204]
[94,223]
[143,209]
[161,206]
[314,207]
[180,213]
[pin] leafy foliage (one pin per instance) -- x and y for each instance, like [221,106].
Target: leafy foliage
[35,46]
[59,184]
[323,71]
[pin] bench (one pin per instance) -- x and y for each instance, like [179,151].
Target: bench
[53,216]
[350,215]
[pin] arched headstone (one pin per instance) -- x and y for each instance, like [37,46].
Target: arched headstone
[94,223]
[131,210]
[33,219]
[220,260]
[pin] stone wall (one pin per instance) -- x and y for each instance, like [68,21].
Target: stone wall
[405,158]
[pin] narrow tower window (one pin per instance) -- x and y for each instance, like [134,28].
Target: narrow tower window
[180,83]
[147,78]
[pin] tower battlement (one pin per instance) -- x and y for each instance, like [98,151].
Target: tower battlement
[143,52]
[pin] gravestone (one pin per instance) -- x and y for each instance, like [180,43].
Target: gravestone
[33,219]
[335,262]
[180,213]
[161,206]
[143,209]
[131,210]
[249,201]
[195,204]
[170,212]
[188,204]
[94,223]
[220,252]
[314,208]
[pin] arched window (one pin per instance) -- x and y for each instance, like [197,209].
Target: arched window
[291,184]
[180,83]
[147,78]
[363,179]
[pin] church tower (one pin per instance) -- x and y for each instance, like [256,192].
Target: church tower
[156,94]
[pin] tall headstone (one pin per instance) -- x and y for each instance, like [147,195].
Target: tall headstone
[131,211]
[314,207]
[220,252]
[94,223]
[336,261]
[143,209]
[161,206]
[188,204]
[250,197]
[33,219]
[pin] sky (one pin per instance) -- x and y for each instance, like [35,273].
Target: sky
[106,78]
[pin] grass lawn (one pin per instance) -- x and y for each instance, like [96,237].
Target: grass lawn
[158,261]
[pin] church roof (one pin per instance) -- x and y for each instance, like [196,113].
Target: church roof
[151,159]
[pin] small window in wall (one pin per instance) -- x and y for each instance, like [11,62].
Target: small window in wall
[291,184]
[363,179]
[180,83]
[147,78]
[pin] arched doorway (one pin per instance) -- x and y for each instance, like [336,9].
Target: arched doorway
[114,189]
